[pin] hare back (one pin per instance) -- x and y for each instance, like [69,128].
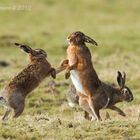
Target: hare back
[29,78]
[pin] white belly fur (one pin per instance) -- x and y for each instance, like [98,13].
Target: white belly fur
[76,80]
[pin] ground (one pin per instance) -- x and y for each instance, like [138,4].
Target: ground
[114,24]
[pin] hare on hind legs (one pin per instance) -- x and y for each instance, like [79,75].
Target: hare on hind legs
[13,95]
[79,66]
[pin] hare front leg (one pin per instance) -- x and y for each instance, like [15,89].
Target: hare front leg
[67,73]
[64,63]
[72,64]
[53,73]
[68,69]
[120,112]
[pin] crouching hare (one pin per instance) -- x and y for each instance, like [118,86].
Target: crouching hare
[13,95]
[106,97]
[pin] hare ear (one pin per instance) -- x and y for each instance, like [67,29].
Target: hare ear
[90,40]
[124,77]
[25,48]
[121,79]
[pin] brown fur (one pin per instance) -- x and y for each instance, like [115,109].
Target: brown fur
[107,96]
[79,59]
[26,81]
[100,100]
[95,94]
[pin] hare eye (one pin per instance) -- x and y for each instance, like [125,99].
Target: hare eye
[125,91]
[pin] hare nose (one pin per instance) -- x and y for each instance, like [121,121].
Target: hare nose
[130,99]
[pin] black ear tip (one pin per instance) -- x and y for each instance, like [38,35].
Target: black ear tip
[96,43]
[124,73]
[17,44]
[119,72]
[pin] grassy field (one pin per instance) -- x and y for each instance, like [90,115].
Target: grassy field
[114,24]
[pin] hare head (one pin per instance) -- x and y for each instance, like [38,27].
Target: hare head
[79,38]
[36,53]
[125,91]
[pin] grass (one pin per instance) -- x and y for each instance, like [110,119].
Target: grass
[113,24]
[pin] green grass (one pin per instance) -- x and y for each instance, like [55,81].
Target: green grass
[114,24]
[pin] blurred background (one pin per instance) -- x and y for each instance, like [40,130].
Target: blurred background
[114,24]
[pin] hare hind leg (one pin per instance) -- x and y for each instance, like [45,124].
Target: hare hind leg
[17,102]
[6,115]
[83,102]
[4,103]
[18,110]
[95,111]
[87,116]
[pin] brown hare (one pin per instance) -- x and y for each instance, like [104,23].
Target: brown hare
[13,95]
[85,79]
[80,67]
[107,96]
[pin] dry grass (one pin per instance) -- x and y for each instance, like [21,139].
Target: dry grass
[114,24]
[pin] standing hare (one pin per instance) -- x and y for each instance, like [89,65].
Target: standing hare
[80,67]
[13,95]
[93,93]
